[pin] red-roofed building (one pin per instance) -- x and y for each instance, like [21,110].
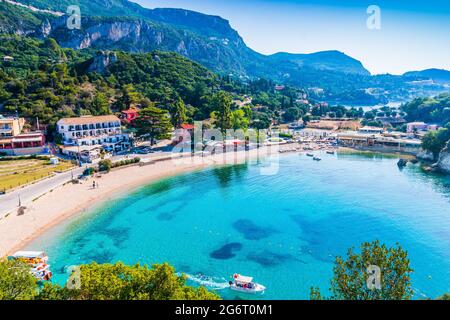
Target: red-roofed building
[187,126]
[183,135]
[129,115]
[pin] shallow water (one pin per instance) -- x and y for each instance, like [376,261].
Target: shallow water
[284,229]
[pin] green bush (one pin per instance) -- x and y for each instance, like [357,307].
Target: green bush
[125,162]
[88,171]
[102,282]
[34,157]
[105,165]
[285,135]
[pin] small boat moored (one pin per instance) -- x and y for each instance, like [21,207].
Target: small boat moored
[317,159]
[37,261]
[330,152]
[245,284]
[310,155]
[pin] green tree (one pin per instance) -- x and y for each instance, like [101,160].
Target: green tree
[153,123]
[122,282]
[291,114]
[105,165]
[16,281]
[445,296]
[435,141]
[178,113]
[306,118]
[239,120]
[222,115]
[52,291]
[100,104]
[351,276]
[129,97]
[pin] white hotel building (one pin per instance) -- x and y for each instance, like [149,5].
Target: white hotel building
[88,133]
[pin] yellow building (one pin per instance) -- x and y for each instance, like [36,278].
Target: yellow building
[11,127]
[15,142]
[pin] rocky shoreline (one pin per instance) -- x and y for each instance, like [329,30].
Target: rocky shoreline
[429,162]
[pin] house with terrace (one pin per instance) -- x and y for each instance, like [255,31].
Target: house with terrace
[15,140]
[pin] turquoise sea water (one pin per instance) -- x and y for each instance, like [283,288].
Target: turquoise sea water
[284,229]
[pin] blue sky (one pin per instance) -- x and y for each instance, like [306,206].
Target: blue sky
[414,34]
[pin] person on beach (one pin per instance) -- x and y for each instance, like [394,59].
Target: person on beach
[93,184]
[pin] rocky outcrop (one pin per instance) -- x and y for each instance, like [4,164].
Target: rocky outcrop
[402,163]
[134,35]
[443,163]
[425,155]
[46,28]
[102,61]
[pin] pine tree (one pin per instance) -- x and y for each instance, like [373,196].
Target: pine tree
[221,104]
[178,113]
[153,123]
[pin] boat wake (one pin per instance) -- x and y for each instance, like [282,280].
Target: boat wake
[210,282]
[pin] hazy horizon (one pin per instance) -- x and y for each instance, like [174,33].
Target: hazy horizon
[413,35]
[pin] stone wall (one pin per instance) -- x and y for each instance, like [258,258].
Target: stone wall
[24,151]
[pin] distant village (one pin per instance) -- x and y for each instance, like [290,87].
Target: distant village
[89,138]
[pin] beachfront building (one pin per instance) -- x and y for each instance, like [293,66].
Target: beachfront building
[384,142]
[182,137]
[371,130]
[88,135]
[413,127]
[14,141]
[11,126]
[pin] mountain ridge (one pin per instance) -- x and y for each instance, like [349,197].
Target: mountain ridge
[330,76]
[431,73]
[215,32]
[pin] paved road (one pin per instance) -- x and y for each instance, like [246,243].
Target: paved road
[9,202]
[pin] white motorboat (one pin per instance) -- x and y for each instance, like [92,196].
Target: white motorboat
[245,284]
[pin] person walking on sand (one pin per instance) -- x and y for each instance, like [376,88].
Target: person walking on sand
[93,184]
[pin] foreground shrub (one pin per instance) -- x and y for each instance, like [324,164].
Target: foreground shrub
[101,282]
[121,282]
[16,281]
[105,165]
[350,281]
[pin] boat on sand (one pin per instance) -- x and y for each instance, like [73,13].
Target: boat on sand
[37,261]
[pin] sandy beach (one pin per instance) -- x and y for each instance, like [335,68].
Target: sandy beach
[71,199]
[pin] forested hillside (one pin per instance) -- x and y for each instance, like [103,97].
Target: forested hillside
[429,109]
[50,82]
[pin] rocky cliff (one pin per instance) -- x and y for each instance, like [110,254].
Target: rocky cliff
[443,163]
[102,61]
[207,39]
[425,155]
[137,35]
